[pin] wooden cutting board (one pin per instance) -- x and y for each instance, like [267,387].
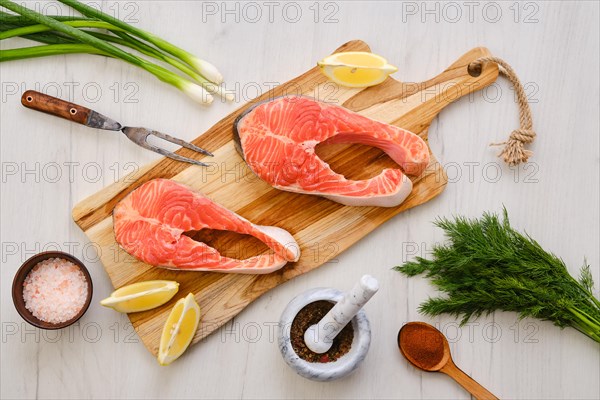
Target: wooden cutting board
[323,228]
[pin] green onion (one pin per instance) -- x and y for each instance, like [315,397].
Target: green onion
[122,39]
[203,67]
[27,30]
[20,20]
[193,90]
[47,50]
[43,37]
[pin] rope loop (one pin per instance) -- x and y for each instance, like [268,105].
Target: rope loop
[514,151]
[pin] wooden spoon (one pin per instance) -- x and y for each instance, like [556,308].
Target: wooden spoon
[427,348]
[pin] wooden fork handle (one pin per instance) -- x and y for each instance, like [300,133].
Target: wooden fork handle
[468,383]
[54,106]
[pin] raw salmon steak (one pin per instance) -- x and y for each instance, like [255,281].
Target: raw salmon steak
[150,223]
[277,139]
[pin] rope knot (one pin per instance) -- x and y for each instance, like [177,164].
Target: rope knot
[514,151]
[523,135]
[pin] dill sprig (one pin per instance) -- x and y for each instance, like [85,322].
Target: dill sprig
[486,265]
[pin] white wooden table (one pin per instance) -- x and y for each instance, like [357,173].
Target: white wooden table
[48,165]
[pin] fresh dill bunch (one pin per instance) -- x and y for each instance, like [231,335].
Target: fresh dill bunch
[486,265]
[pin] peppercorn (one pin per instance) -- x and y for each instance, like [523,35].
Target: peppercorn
[309,315]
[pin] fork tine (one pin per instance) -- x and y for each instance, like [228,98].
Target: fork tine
[180,142]
[172,155]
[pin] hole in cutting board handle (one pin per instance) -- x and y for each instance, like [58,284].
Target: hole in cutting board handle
[474,70]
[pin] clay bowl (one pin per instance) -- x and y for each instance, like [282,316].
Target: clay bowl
[17,289]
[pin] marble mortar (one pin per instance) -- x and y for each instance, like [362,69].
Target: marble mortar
[323,371]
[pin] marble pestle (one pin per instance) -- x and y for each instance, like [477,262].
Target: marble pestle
[319,337]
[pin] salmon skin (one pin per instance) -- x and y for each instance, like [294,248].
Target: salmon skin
[150,223]
[277,139]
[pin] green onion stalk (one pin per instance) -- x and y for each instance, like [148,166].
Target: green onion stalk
[49,50]
[28,30]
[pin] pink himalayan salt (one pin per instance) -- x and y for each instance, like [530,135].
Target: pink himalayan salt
[55,290]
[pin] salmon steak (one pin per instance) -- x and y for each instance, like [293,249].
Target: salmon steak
[151,221]
[277,139]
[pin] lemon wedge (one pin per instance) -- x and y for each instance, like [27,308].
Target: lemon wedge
[179,329]
[141,296]
[356,68]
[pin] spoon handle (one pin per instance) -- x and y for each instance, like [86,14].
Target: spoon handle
[464,380]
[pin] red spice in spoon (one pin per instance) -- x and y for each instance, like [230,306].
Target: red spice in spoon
[423,344]
[427,348]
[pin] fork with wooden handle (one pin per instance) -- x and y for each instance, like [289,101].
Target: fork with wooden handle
[84,116]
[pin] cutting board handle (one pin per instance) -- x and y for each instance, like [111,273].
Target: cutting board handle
[421,102]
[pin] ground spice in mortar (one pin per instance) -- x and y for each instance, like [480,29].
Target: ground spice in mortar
[309,315]
[423,344]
